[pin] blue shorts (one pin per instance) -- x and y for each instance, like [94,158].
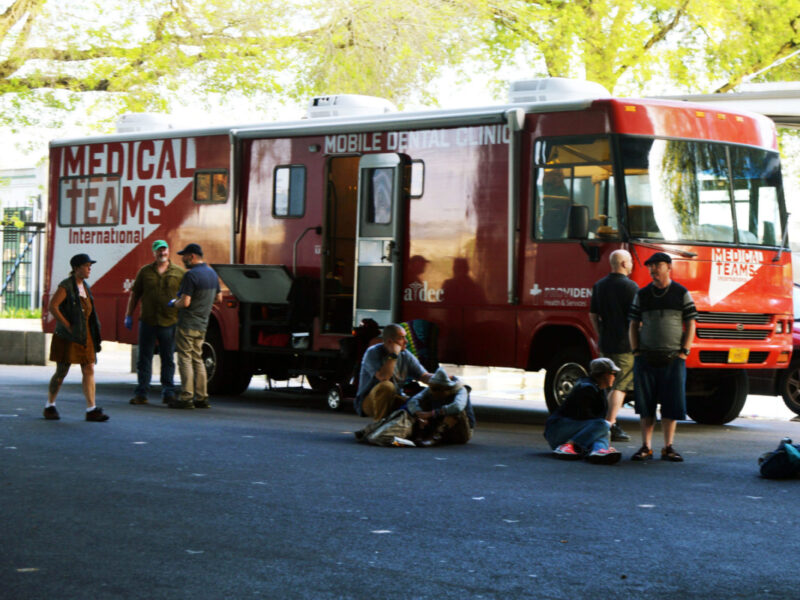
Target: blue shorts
[660,385]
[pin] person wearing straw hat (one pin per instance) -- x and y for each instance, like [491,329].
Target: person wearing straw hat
[578,428]
[443,413]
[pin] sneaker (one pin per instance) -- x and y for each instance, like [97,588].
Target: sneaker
[138,400]
[643,453]
[50,413]
[96,415]
[604,456]
[567,452]
[181,404]
[670,454]
[203,404]
[618,434]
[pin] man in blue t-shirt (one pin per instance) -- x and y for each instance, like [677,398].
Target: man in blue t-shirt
[662,325]
[384,369]
[196,296]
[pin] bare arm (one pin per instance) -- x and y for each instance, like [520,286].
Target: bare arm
[633,335]
[595,319]
[688,336]
[55,302]
[184,301]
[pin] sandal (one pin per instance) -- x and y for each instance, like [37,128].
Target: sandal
[643,453]
[669,453]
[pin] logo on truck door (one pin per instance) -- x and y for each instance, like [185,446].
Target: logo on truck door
[731,268]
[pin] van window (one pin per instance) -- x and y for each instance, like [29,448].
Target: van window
[88,200]
[289,191]
[574,174]
[211,187]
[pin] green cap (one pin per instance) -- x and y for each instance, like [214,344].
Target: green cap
[159,244]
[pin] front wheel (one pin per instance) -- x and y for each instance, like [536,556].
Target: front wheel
[715,397]
[334,398]
[563,372]
[789,386]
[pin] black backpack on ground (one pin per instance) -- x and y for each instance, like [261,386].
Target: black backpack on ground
[781,463]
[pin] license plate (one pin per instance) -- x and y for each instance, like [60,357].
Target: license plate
[738,355]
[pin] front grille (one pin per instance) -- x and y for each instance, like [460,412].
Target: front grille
[732,334]
[721,357]
[734,318]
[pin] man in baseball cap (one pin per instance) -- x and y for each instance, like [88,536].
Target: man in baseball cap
[155,284]
[578,428]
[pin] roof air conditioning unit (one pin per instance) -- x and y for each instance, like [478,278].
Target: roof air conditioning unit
[554,89]
[136,122]
[348,105]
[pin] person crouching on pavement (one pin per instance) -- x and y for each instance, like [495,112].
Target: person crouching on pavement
[578,428]
[442,411]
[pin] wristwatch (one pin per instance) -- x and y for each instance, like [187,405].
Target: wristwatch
[393,355]
[685,351]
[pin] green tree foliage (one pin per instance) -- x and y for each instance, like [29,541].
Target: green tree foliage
[711,44]
[145,55]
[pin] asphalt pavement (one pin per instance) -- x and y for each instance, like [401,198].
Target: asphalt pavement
[267,495]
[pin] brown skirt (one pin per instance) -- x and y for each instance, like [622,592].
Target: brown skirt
[64,351]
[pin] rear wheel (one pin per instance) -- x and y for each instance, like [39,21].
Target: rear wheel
[563,372]
[789,386]
[228,373]
[716,397]
[213,353]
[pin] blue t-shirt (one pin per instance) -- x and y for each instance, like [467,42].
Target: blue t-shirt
[407,367]
[202,285]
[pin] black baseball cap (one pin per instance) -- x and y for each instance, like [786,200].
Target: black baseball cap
[80,259]
[659,257]
[192,249]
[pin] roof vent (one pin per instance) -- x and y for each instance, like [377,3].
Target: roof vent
[348,105]
[554,89]
[136,122]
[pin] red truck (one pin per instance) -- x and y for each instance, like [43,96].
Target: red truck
[491,224]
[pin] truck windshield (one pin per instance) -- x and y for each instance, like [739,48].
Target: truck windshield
[687,191]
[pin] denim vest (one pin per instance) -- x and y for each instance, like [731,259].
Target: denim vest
[73,311]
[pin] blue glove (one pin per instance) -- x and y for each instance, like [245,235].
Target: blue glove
[128,322]
[172,302]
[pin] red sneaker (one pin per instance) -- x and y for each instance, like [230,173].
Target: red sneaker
[567,452]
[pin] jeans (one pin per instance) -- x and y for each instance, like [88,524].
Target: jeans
[590,434]
[189,343]
[148,336]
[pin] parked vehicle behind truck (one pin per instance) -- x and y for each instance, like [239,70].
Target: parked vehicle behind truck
[490,224]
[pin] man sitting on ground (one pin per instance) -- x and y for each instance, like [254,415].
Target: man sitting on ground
[579,428]
[385,368]
[443,412]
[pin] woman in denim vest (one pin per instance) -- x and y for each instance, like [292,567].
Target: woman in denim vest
[77,336]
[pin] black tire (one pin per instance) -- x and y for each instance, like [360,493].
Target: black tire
[564,370]
[789,386]
[214,360]
[238,373]
[335,398]
[228,373]
[720,398]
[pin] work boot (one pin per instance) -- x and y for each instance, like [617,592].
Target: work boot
[137,399]
[181,404]
[618,434]
[96,415]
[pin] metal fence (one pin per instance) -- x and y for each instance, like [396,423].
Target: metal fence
[21,264]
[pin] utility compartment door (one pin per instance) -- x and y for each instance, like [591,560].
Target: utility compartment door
[378,238]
